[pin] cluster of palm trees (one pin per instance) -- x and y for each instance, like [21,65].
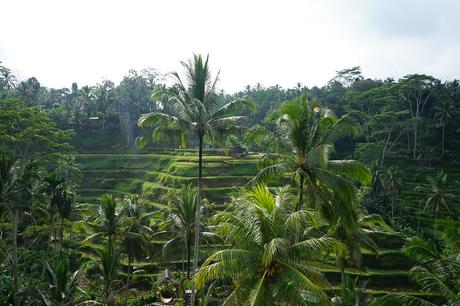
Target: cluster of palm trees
[269,234]
[269,239]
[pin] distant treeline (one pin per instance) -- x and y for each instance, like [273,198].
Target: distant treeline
[416,116]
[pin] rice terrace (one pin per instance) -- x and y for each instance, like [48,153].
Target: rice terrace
[250,166]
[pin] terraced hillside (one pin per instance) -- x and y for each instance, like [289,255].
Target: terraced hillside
[409,201]
[154,175]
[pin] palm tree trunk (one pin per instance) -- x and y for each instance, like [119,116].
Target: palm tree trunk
[62,236]
[414,153]
[198,211]
[341,263]
[15,256]
[127,279]
[189,251]
[300,202]
[435,223]
[418,222]
[392,210]
[443,141]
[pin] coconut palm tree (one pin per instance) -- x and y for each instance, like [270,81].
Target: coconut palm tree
[18,184]
[108,220]
[437,270]
[52,187]
[65,199]
[135,227]
[108,267]
[62,197]
[444,110]
[303,139]
[179,226]
[266,254]
[195,106]
[355,238]
[7,79]
[181,222]
[392,181]
[436,195]
[63,284]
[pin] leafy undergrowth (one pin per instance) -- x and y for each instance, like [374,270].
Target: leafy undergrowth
[156,175]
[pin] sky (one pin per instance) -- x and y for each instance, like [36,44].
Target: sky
[271,42]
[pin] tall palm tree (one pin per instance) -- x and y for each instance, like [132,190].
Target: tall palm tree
[18,184]
[179,226]
[303,139]
[355,238]
[108,266]
[435,196]
[181,221]
[392,181]
[195,106]
[66,198]
[443,112]
[62,197]
[266,254]
[52,187]
[7,79]
[108,220]
[135,227]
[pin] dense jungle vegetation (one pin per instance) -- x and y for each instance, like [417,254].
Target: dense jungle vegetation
[166,188]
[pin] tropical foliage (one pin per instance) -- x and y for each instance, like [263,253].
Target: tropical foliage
[327,186]
[269,241]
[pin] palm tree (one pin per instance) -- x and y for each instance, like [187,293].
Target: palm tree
[108,266]
[195,106]
[18,181]
[436,271]
[355,238]
[435,196]
[53,186]
[62,198]
[7,79]
[66,199]
[392,181]
[109,217]
[63,284]
[180,224]
[444,111]
[303,141]
[266,254]
[135,228]
[181,221]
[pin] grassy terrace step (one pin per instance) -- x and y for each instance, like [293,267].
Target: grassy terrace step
[125,173]
[377,278]
[208,181]
[93,192]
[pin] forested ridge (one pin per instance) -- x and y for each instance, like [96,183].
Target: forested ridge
[345,194]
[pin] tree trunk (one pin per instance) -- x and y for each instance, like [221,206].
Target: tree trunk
[127,279]
[198,212]
[300,202]
[341,263]
[435,224]
[189,251]
[443,141]
[62,237]
[129,131]
[15,256]
[392,210]
[414,154]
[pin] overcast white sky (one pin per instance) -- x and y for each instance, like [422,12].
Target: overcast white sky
[271,42]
